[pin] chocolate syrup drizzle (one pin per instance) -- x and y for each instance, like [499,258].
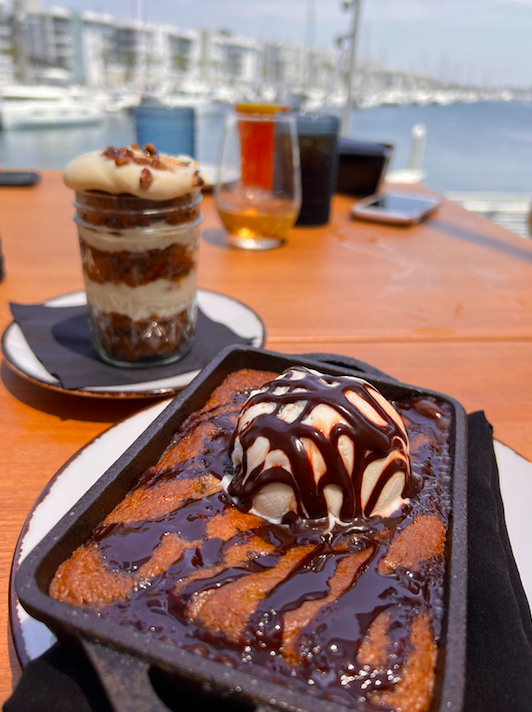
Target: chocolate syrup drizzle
[328,643]
[371,442]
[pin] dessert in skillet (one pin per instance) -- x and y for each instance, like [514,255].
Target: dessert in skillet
[138,216]
[294,528]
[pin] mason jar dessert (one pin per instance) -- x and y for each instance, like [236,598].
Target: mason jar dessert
[138,215]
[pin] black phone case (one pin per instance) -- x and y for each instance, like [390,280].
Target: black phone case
[18,179]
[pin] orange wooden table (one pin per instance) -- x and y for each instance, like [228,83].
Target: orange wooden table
[446,305]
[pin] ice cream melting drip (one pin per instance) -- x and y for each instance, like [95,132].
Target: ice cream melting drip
[321,448]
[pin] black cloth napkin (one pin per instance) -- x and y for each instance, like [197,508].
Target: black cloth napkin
[60,338]
[499,626]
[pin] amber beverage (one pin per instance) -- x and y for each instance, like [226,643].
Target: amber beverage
[257,141]
[272,217]
[258,192]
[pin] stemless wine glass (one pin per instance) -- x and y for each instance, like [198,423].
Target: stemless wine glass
[258,191]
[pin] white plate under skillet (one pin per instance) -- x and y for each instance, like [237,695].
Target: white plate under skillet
[220,308]
[32,638]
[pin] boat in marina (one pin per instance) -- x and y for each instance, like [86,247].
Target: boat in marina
[119,100]
[205,100]
[27,106]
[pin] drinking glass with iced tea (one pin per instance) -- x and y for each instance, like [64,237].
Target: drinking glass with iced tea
[258,191]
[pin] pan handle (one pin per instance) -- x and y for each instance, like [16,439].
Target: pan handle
[354,364]
[125,679]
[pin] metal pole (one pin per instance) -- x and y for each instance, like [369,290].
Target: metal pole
[419,133]
[310,32]
[21,61]
[344,130]
[140,59]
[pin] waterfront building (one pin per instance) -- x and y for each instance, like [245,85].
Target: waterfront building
[49,34]
[283,62]
[97,50]
[53,44]
[233,58]
[181,55]
[7,67]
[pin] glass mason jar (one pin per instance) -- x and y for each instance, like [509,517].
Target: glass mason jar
[139,260]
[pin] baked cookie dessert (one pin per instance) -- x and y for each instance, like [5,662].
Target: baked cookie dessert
[138,216]
[294,528]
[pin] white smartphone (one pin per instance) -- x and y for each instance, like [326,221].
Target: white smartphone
[395,208]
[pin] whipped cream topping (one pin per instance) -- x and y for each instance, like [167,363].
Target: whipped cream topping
[140,172]
[317,447]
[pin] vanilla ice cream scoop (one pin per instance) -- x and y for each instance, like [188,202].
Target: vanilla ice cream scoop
[315,447]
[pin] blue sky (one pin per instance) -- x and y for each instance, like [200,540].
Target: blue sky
[480,41]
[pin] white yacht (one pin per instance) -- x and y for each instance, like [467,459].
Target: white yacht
[28,106]
[112,102]
[204,100]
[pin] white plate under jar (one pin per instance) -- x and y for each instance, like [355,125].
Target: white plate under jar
[220,308]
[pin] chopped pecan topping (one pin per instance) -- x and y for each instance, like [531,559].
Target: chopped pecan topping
[121,156]
[148,157]
[111,152]
[158,165]
[145,179]
[197,180]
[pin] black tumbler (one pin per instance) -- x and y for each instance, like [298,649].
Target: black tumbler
[318,135]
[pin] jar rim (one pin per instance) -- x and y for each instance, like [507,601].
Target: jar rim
[152,207]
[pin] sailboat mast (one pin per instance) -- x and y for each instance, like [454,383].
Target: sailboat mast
[344,129]
[310,31]
[21,60]
[141,48]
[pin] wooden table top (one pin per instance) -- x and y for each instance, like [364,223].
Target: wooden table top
[446,305]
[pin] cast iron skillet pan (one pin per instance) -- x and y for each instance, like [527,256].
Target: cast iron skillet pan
[139,672]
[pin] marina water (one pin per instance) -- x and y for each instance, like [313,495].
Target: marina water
[470,147]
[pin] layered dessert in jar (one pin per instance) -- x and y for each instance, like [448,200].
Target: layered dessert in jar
[294,528]
[138,215]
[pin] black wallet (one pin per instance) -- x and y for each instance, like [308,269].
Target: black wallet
[361,166]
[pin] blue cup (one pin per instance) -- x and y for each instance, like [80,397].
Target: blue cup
[169,130]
